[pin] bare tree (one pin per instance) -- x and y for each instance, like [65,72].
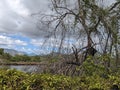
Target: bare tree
[87,19]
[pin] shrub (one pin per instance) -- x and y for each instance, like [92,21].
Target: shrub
[17,80]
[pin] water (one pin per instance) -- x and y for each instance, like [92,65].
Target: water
[24,68]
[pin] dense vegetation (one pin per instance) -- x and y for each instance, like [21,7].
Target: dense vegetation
[16,80]
[88,76]
[91,75]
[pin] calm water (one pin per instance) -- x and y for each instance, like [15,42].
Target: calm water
[24,68]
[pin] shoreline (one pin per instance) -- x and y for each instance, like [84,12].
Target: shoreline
[22,63]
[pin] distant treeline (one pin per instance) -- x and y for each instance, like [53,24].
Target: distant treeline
[16,58]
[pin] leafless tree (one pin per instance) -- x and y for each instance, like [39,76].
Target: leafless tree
[87,19]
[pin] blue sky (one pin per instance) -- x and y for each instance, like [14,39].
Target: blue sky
[18,28]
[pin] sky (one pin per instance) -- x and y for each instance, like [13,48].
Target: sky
[18,29]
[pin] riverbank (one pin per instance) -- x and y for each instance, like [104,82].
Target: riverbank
[23,63]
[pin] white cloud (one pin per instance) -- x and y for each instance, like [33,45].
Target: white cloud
[15,18]
[24,49]
[18,7]
[37,42]
[4,40]
[52,42]
[19,42]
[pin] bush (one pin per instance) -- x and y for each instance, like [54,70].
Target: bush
[17,80]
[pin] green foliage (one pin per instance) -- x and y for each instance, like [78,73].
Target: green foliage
[35,58]
[26,58]
[16,80]
[20,58]
[1,51]
[92,66]
[7,56]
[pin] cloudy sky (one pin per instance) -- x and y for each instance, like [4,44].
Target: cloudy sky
[18,28]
